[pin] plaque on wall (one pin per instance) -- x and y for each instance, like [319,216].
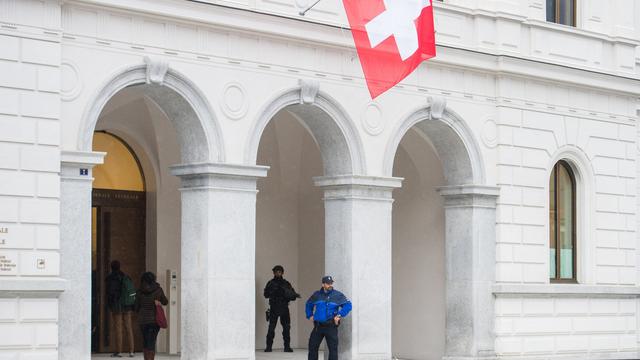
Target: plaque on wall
[8,263]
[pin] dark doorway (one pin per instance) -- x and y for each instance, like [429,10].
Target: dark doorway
[118,233]
[119,219]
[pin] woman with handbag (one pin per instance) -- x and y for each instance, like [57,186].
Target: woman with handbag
[149,301]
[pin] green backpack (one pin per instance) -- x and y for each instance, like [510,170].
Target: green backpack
[128,292]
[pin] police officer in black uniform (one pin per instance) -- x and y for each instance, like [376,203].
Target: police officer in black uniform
[279,292]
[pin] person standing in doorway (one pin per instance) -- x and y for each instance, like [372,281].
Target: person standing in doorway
[326,308]
[120,299]
[279,292]
[149,296]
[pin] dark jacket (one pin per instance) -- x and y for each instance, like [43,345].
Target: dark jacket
[325,305]
[145,302]
[113,290]
[279,292]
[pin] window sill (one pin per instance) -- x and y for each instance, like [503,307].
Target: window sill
[32,287]
[565,290]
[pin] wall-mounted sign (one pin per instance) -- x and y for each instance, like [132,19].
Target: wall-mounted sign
[8,264]
[4,234]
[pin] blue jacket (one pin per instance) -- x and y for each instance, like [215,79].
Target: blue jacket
[324,306]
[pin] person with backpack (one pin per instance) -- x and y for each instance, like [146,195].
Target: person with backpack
[149,297]
[121,296]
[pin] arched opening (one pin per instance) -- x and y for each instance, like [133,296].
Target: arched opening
[299,141]
[290,222]
[136,121]
[442,214]
[118,233]
[165,120]
[418,251]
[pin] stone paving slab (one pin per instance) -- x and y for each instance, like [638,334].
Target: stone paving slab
[298,354]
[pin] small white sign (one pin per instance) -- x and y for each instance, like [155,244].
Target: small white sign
[8,263]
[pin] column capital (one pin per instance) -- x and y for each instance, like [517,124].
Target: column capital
[470,195]
[212,175]
[358,187]
[77,165]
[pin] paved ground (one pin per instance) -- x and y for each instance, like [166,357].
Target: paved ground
[276,355]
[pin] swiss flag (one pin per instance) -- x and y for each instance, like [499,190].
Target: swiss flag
[392,38]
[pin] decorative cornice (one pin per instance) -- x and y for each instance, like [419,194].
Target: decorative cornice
[86,159]
[564,290]
[476,196]
[224,169]
[357,187]
[358,180]
[219,176]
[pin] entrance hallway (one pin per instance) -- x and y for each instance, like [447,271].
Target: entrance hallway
[298,354]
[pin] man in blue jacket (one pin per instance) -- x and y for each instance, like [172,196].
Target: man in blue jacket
[326,307]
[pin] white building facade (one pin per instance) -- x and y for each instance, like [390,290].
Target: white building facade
[438,207]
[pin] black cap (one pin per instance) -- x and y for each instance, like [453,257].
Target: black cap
[277,268]
[327,280]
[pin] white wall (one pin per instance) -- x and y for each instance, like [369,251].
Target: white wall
[418,252]
[290,221]
[597,135]
[29,188]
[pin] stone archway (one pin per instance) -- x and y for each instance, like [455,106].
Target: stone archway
[334,132]
[469,228]
[200,142]
[357,216]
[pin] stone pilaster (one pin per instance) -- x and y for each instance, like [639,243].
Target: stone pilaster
[470,219]
[75,253]
[358,254]
[218,260]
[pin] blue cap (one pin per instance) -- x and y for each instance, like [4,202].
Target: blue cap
[327,280]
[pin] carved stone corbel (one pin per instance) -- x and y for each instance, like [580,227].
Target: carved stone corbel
[308,91]
[156,70]
[437,107]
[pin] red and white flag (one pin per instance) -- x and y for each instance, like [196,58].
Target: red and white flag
[392,38]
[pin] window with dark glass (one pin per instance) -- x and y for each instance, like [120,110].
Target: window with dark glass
[562,224]
[562,12]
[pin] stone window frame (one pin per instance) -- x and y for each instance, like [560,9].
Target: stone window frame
[583,172]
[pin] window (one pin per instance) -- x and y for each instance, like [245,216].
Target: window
[562,12]
[562,223]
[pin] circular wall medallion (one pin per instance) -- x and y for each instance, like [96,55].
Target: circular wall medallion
[490,133]
[71,84]
[234,101]
[372,119]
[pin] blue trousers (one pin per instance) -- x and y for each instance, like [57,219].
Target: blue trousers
[320,332]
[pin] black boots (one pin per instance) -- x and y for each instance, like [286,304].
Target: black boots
[287,348]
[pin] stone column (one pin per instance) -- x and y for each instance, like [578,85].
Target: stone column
[74,309]
[358,255]
[470,220]
[218,260]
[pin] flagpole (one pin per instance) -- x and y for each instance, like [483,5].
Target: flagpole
[302,12]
